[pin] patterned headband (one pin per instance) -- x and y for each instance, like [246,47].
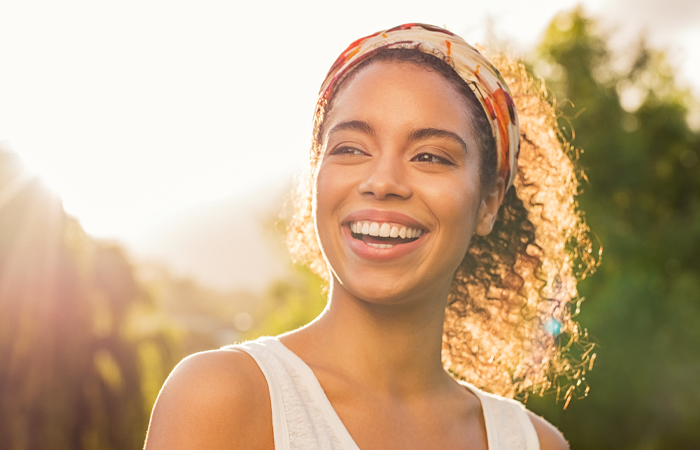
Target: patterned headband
[481,76]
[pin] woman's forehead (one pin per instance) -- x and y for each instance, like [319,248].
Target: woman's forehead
[399,93]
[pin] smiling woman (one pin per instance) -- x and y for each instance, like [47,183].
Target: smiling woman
[449,250]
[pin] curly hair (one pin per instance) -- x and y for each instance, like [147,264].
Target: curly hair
[509,326]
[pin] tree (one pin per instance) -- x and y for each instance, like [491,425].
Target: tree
[642,200]
[77,369]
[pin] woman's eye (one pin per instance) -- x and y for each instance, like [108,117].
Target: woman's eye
[431,159]
[347,151]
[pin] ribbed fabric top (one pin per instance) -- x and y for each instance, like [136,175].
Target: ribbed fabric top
[304,419]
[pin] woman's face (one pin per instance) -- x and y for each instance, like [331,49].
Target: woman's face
[398,193]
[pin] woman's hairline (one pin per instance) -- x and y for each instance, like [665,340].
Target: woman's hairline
[472,106]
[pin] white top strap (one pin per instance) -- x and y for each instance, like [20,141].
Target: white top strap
[303,417]
[508,426]
[257,350]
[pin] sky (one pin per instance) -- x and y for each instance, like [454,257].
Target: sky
[134,111]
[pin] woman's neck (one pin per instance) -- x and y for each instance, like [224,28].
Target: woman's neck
[392,349]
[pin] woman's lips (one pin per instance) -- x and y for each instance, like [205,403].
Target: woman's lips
[382,235]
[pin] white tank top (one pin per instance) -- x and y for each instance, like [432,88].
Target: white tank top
[304,419]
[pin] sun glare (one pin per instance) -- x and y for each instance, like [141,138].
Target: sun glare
[129,128]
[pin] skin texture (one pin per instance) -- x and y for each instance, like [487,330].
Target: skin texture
[376,348]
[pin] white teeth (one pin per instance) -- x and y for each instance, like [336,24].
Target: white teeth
[384,230]
[394,232]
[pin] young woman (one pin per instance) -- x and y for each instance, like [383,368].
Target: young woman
[448,260]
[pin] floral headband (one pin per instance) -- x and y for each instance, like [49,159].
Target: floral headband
[481,76]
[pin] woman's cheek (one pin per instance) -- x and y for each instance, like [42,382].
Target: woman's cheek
[328,195]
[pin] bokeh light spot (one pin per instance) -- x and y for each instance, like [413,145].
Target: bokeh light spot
[553,327]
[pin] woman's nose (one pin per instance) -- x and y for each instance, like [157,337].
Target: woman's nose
[386,178]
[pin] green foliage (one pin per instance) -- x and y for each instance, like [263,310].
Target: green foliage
[642,200]
[87,339]
[292,303]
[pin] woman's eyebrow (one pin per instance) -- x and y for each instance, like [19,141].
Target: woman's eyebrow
[353,125]
[416,135]
[427,133]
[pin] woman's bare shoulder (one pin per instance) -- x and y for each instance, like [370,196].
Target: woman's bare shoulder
[215,400]
[550,438]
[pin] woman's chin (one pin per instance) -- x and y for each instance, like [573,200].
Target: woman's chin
[389,289]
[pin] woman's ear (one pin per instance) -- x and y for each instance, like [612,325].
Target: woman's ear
[488,210]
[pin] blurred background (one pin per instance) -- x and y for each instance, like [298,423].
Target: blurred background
[146,149]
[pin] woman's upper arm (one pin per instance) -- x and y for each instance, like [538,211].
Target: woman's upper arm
[212,400]
[550,438]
